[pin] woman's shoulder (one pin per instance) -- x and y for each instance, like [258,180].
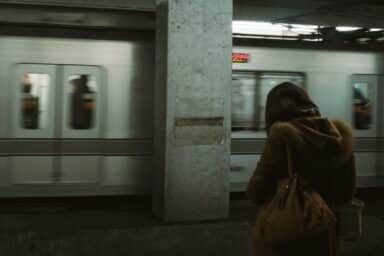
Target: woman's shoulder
[280,128]
[343,127]
[346,132]
[293,131]
[286,131]
[289,127]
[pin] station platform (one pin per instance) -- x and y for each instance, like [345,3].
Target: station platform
[125,226]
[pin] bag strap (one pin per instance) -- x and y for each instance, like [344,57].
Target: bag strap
[291,173]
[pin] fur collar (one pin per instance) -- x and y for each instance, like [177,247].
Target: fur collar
[334,137]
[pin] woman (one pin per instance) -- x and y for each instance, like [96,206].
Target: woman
[321,152]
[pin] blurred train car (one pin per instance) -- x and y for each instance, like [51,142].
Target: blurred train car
[345,84]
[77,113]
[92,131]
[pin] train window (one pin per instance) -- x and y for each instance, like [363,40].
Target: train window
[249,96]
[362,110]
[244,101]
[82,98]
[34,100]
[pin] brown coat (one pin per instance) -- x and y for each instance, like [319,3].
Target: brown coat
[322,152]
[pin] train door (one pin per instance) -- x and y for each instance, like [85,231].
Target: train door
[80,124]
[55,112]
[366,122]
[33,124]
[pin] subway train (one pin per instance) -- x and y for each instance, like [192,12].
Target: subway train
[77,113]
[344,84]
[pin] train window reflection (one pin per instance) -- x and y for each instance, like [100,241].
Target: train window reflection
[34,100]
[362,115]
[82,97]
[249,96]
[244,102]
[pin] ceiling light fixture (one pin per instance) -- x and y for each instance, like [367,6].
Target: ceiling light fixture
[375,29]
[346,29]
[271,29]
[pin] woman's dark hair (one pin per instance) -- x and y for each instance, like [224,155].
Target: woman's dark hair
[286,102]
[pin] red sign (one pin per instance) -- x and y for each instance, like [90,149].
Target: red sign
[240,57]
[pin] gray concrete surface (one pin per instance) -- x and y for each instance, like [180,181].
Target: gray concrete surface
[372,241]
[112,227]
[122,226]
[192,109]
[207,239]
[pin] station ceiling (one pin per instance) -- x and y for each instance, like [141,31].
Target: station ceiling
[364,13]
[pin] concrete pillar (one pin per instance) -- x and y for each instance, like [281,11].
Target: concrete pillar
[192,109]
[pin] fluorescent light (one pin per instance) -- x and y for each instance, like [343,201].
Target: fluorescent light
[363,40]
[304,29]
[375,29]
[345,29]
[270,29]
[256,28]
[313,39]
[302,26]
